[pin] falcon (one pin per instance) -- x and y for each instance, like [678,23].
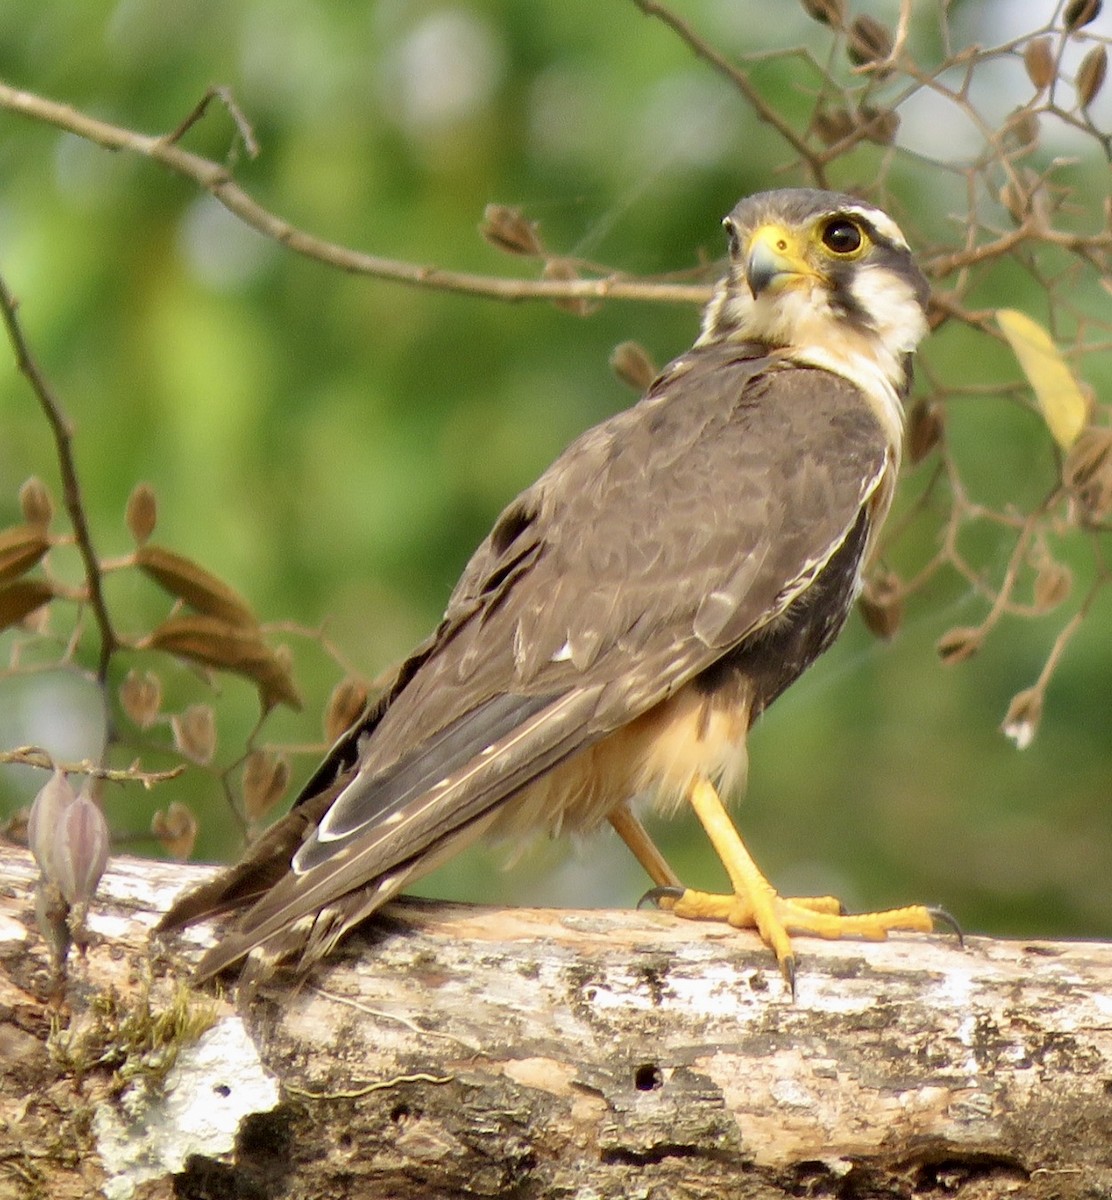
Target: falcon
[633,612]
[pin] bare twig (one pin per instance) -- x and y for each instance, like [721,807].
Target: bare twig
[67,466]
[36,756]
[215,179]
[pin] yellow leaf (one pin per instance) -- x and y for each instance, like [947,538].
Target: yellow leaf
[1064,407]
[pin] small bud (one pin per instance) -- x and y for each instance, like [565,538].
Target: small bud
[508,229]
[881,603]
[35,503]
[880,125]
[176,829]
[1053,582]
[558,268]
[195,733]
[631,363]
[869,41]
[1038,58]
[265,777]
[1090,75]
[925,425]
[1021,722]
[1080,13]
[47,810]
[142,512]
[348,699]
[826,12]
[959,643]
[833,125]
[80,850]
[1087,473]
[141,697]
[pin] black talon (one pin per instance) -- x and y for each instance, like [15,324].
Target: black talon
[940,914]
[656,894]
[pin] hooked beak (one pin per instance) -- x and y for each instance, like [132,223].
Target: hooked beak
[774,259]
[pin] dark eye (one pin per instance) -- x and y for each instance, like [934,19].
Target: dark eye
[732,236]
[840,236]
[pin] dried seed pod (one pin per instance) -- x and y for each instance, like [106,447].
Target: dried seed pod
[141,697]
[559,268]
[20,599]
[188,581]
[631,363]
[21,547]
[1038,58]
[826,12]
[1021,722]
[141,514]
[344,708]
[1021,129]
[925,427]
[195,733]
[879,125]
[508,229]
[1053,583]
[265,778]
[80,854]
[1014,199]
[215,643]
[50,803]
[881,603]
[176,829]
[1079,13]
[959,643]
[1087,473]
[1091,75]
[36,503]
[833,125]
[869,41]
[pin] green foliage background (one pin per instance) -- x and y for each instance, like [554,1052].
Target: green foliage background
[335,446]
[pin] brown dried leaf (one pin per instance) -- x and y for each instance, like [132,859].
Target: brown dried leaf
[176,829]
[1021,129]
[345,705]
[265,778]
[195,733]
[142,512]
[926,425]
[508,229]
[879,125]
[1079,13]
[18,600]
[559,268]
[1038,58]
[215,643]
[21,547]
[959,643]
[832,125]
[631,362]
[1087,473]
[200,589]
[1021,722]
[1053,582]
[881,603]
[1090,75]
[826,12]
[36,503]
[869,41]
[141,697]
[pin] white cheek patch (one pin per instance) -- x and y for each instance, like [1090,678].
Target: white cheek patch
[892,305]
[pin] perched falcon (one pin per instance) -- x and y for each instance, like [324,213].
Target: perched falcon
[632,613]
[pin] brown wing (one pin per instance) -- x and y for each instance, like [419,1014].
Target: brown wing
[654,545]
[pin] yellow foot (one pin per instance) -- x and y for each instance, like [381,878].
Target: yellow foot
[775,918]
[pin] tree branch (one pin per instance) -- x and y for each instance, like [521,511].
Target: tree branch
[216,179]
[455,1051]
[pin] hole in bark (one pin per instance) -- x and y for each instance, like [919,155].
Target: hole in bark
[399,1113]
[222,1089]
[648,1078]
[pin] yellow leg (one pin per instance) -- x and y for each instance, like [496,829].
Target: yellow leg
[756,904]
[629,828]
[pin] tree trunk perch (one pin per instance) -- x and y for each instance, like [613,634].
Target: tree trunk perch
[453,1051]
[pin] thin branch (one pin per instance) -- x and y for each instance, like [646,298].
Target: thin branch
[215,179]
[43,760]
[67,466]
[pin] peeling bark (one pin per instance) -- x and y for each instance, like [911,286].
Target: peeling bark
[461,1052]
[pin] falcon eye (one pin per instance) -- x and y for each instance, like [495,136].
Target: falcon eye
[733,237]
[842,236]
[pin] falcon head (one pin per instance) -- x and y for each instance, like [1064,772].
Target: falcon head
[825,277]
